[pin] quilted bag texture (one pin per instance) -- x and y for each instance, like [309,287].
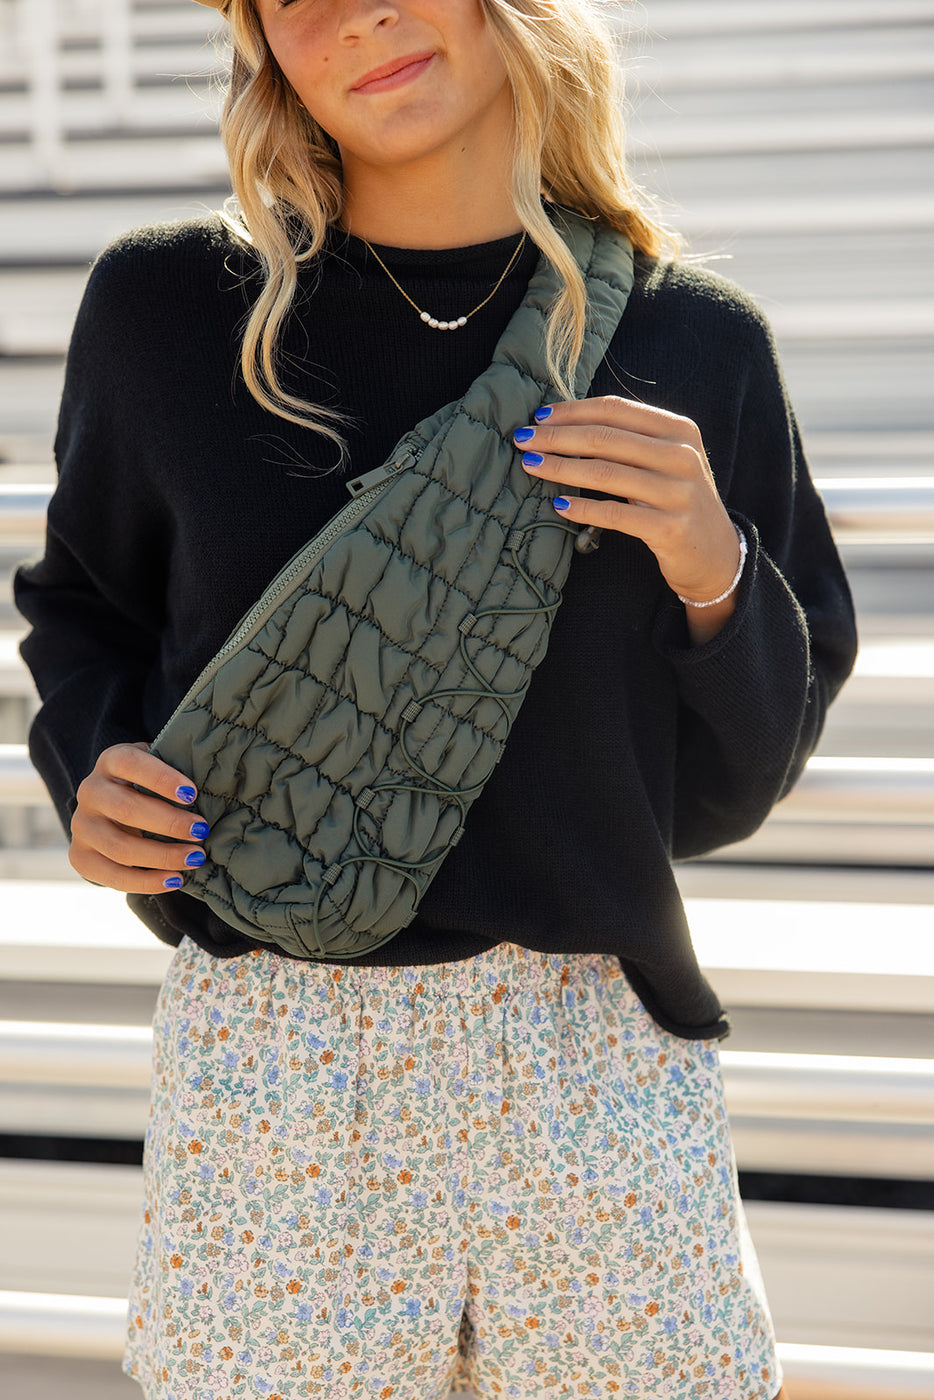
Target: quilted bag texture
[341,734]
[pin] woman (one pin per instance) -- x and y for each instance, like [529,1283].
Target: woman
[493,1153]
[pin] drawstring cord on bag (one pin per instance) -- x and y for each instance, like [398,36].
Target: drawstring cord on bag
[431,785]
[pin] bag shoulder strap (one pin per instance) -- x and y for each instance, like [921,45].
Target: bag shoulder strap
[340,737]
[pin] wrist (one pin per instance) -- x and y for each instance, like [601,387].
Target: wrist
[694,603]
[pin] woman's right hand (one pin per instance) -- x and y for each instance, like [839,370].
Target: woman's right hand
[107,845]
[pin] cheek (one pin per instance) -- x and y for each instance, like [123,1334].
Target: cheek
[303,57]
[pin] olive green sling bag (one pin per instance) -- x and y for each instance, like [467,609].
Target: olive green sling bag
[341,734]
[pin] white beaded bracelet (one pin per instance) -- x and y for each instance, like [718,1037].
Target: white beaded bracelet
[712,602]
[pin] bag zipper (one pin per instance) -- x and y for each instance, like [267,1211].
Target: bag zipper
[363,490]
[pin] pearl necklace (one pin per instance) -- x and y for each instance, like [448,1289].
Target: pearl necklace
[433,321]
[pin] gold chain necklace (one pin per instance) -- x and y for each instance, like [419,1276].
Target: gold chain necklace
[433,321]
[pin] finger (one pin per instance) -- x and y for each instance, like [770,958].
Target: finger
[124,846]
[637,484]
[603,442]
[621,413]
[642,522]
[131,763]
[114,799]
[100,871]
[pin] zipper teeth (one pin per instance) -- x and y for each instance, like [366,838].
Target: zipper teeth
[302,564]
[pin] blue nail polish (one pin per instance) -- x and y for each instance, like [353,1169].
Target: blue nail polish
[541,414]
[532,459]
[195,858]
[523,434]
[174,882]
[561,503]
[185,794]
[199,830]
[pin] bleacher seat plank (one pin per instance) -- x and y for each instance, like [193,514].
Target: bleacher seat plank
[671,18]
[37,313]
[816,1260]
[34,231]
[789,1110]
[758,952]
[838,384]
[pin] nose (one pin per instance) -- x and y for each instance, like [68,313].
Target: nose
[362,17]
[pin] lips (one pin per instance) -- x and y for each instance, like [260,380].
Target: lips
[395,68]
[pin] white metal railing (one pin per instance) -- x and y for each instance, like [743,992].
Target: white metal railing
[61,1324]
[793,951]
[788,1111]
[845,791]
[677,18]
[851,1088]
[828,1088]
[870,510]
[20,784]
[36,32]
[861,790]
[59,1052]
[858,1373]
[880,510]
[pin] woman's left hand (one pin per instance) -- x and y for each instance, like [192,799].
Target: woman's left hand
[656,484]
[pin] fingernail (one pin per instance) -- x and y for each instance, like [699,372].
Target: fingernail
[185,794]
[541,414]
[174,882]
[561,503]
[523,434]
[195,858]
[532,459]
[199,830]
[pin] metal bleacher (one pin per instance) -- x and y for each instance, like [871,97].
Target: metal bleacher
[793,146]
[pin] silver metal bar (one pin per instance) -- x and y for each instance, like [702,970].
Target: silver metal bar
[848,1088]
[870,510]
[46,120]
[841,791]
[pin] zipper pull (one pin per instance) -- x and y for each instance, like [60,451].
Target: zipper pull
[406,458]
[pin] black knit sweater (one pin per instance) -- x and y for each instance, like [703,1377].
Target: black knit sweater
[179,499]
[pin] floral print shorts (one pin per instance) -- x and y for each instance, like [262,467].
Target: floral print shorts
[496,1177]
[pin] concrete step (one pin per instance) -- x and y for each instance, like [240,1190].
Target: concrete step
[803,283]
[38,306]
[835,1276]
[116,163]
[694,189]
[869,454]
[804,953]
[844,40]
[82,63]
[71,228]
[671,137]
[831,455]
[824,151]
[678,65]
[683,19]
[183,106]
[886,709]
[836,386]
[823,1114]
[860,810]
[887,510]
[813,1373]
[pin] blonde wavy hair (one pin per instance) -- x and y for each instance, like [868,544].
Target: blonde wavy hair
[564,70]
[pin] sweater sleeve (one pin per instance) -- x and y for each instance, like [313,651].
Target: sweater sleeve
[754,698]
[94,599]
